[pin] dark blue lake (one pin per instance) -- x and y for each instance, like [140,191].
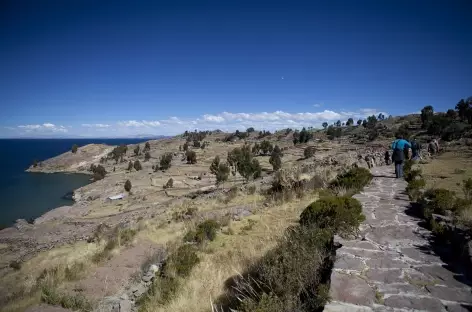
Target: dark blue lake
[29,195]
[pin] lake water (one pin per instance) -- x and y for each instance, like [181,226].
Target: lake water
[28,195]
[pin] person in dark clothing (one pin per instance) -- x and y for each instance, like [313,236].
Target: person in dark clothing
[398,154]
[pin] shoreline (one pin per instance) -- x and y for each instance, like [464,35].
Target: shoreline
[32,220]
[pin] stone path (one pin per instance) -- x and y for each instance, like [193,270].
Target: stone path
[392,267]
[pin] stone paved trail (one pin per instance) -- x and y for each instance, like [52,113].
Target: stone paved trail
[392,267]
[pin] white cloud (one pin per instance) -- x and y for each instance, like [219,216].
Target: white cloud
[43,128]
[138,124]
[226,121]
[99,125]
[318,104]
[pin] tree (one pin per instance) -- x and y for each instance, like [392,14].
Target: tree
[309,151]
[278,151]
[185,147]
[462,108]
[325,125]
[137,165]
[364,123]
[196,144]
[169,184]
[191,157]
[256,148]
[381,116]
[266,147]
[222,173]
[371,122]
[74,148]
[296,137]
[136,150]
[275,161]
[427,114]
[246,165]
[359,122]
[128,186]
[250,129]
[349,122]
[99,172]
[147,156]
[130,165]
[452,114]
[338,123]
[215,164]
[165,161]
[147,147]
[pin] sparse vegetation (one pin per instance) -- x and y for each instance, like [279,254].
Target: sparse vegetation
[74,148]
[137,165]
[128,186]
[205,231]
[147,156]
[354,179]
[137,150]
[165,162]
[169,184]
[98,171]
[130,166]
[309,151]
[191,157]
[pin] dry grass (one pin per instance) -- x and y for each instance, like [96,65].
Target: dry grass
[448,170]
[230,255]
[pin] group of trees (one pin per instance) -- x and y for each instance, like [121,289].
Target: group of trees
[265,148]
[196,136]
[302,137]
[451,125]
[242,159]
[220,170]
[99,172]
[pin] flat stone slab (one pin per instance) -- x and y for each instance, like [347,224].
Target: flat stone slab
[392,268]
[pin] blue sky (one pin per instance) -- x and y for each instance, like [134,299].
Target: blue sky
[119,68]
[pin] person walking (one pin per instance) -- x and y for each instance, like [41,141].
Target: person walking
[398,154]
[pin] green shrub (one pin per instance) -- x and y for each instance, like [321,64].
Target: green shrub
[439,201]
[137,165]
[128,185]
[407,167]
[182,261]
[414,188]
[205,231]
[275,161]
[74,148]
[165,161]
[251,189]
[354,179]
[412,175]
[130,165]
[169,184]
[191,157]
[147,156]
[467,188]
[342,215]
[288,277]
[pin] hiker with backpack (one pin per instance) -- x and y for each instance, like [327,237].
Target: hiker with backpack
[398,155]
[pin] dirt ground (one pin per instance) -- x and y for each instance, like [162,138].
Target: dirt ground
[448,170]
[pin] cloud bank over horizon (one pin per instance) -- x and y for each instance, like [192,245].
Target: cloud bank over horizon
[225,121]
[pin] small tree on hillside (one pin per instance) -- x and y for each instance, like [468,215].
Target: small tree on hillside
[147,156]
[427,114]
[359,122]
[136,150]
[275,161]
[338,123]
[350,122]
[169,184]
[74,148]
[371,122]
[166,161]
[266,147]
[147,147]
[364,123]
[196,144]
[128,186]
[130,165]
[222,174]
[250,129]
[137,165]
[325,125]
[191,157]
[215,165]
[185,147]
[452,114]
